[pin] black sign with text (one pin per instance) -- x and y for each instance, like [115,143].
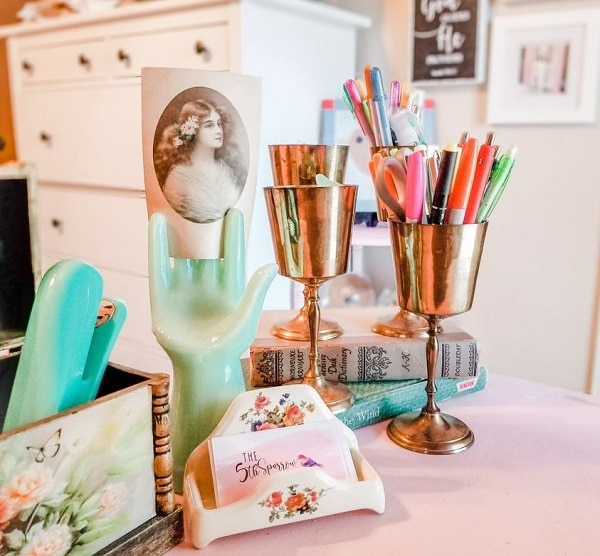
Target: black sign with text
[446,40]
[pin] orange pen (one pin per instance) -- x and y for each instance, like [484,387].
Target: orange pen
[485,160]
[461,187]
[362,91]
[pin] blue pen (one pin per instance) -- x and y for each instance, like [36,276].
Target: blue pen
[379,102]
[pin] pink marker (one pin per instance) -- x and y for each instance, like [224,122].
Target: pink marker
[415,187]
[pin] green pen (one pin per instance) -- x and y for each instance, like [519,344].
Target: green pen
[498,181]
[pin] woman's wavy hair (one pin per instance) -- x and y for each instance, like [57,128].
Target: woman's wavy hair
[169,154]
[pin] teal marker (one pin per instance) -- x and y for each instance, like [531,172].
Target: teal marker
[498,181]
[346,99]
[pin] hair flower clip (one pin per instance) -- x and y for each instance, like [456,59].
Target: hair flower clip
[186,132]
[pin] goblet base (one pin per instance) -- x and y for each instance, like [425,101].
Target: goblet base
[430,433]
[403,324]
[296,329]
[337,396]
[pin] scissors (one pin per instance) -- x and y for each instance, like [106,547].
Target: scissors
[69,337]
[389,178]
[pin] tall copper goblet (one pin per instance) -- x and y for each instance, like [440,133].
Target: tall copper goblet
[299,164]
[436,270]
[311,229]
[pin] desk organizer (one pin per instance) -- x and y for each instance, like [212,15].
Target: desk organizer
[286,497]
[92,479]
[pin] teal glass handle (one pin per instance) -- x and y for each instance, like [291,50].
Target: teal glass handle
[204,316]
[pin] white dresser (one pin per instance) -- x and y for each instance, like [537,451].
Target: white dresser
[75,87]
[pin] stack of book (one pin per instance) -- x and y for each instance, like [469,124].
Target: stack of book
[387,375]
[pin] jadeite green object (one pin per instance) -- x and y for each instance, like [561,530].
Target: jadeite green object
[204,318]
[57,342]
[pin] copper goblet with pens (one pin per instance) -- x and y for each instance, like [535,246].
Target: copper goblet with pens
[311,228]
[436,269]
[299,164]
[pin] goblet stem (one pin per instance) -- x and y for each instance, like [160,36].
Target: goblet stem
[336,396]
[432,355]
[314,319]
[430,431]
[297,328]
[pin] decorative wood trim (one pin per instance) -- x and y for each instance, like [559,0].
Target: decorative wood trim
[163,457]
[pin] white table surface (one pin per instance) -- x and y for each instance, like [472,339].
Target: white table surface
[529,485]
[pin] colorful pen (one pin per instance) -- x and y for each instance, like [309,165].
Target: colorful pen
[461,186]
[431,165]
[448,160]
[362,90]
[415,187]
[394,101]
[347,101]
[358,110]
[416,100]
[379,102]
[498,180]
[485,161]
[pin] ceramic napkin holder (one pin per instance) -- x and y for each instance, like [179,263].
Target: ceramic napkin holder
[322,494]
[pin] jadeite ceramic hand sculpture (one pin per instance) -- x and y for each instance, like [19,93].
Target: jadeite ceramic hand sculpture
[204,320]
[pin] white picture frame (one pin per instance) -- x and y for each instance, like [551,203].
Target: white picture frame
[543,67]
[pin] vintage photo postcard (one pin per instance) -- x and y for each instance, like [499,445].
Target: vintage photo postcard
[200,133]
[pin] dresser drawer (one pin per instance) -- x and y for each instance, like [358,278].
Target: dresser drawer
[101,228]
[65,62]
[83,134]
[198,47]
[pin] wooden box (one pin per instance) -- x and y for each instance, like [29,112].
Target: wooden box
[95,479]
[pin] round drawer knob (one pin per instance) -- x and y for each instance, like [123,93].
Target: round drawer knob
[57,224]
[84,61]
[45,137]
[202,50]
[26,66]
[123,57]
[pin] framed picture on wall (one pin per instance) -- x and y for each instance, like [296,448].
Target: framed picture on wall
[544,67]
[448,41]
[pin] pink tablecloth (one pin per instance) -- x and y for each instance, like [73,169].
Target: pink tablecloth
[530,485]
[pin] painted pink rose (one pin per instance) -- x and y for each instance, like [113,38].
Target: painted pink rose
[266,426]
[293,415]
[55,540]
[30,486]
[261,402]
[112,499]
[295,502]
[274,500]
[314,496]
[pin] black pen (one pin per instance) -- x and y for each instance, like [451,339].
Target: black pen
[448,161]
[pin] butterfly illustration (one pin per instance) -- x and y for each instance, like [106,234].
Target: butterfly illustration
[49,449]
